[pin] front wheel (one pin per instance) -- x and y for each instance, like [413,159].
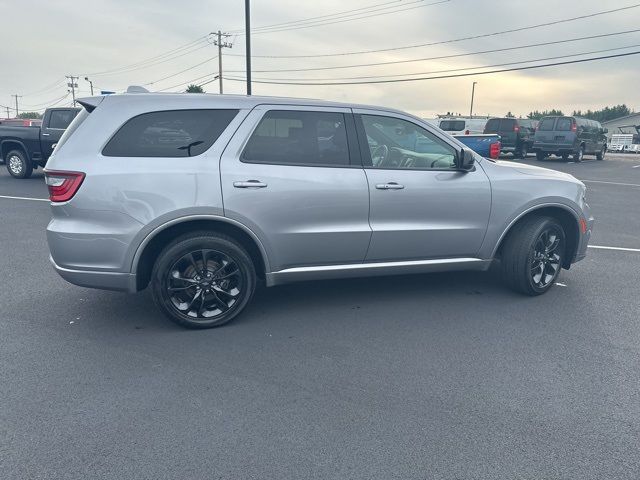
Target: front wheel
[203,280]
[524,151]
[533,255]
[579,155]
[18,165]
[540,156]
[600,155]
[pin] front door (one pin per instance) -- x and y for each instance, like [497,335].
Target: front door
[294,177]
[53,128]
[421,206]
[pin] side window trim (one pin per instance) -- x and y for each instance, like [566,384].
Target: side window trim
[353,150]
[367,162]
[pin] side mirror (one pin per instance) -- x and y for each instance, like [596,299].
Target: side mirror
[465,160]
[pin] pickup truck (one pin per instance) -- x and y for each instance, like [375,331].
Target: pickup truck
[25,148]
[487,145]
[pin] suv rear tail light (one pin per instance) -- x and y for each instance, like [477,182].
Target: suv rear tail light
[494,150]
[62,185]
[467,132]
[516,128]
[574,127]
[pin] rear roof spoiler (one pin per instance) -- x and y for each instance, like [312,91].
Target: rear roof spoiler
[90,103]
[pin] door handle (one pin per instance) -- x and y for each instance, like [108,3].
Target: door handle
[46,134]
[250,184]
[389,186]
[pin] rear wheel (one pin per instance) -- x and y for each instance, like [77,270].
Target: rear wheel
[203,280]
[533,254]
[524,151]
[579,155]
[540,156]
[600,155]
[18,165]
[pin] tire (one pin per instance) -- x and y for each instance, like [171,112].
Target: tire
[17,164]
[579,155]
[600,155]
[565,157]
[525,268]
[540,156]
[524,150]
[189,266]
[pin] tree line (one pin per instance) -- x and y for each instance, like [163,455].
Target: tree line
[602,115]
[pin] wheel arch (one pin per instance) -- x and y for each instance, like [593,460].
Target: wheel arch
[12,144]
[148,251]
[564,214]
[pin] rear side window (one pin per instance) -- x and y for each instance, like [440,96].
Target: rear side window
[61,119]
[299,138]
[546,124]
[492,126]
[173,133]
[452,125]
[564,124]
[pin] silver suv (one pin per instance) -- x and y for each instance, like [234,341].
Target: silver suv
[198,196]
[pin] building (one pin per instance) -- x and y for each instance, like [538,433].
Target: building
[624,124]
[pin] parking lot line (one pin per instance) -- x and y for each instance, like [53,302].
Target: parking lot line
[25,198]
[623,249]
[612,183]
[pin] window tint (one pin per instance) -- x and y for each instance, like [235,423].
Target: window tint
[546,124]
[398,144]
[564,124]
[299,138]
[507,124]
[452,125]
[492,126]
[176,133]
[61,118]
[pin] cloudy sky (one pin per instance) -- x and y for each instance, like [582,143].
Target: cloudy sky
[163,45]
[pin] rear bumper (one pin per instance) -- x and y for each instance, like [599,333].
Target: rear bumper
[553,147]
[121,282]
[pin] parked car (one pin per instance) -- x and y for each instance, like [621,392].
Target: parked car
[488,146]
[21,122]
[25,149]
[516,134]
[286,190]
[462,125]
[564,136]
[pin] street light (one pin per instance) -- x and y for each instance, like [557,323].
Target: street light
[90,83]
[247,35]
[473,91]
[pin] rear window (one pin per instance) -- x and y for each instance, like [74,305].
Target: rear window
[546,124]
[60,119]
[507,124]
[492,126]
[564,124]
[452,125]
[173,133]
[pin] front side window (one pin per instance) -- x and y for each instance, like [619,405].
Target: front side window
[399,144]
[293,137]
[174,133]
[61,119]
[492,126]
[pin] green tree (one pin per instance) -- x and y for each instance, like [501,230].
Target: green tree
[510,115]
[29,115]
[604,114]
[194,89]
[537,115]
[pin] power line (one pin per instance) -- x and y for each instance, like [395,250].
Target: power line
[187,83]
[441,57]
[455,40]
[48,102]
[530,67]
[456,69]
[239,31]
[181,71]
[359,16]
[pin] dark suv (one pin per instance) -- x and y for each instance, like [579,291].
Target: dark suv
[564,136]
[516,134]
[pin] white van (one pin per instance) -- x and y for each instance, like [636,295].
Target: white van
[462,125]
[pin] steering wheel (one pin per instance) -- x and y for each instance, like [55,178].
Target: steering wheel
[381,152]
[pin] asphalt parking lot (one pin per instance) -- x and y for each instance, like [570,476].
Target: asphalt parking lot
[429,376]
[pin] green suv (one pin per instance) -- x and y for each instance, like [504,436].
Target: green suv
[516,134]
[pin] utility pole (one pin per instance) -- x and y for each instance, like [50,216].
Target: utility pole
[90,83]
[247,34]
[16,96]
[473,91]
[8,113]
[221,44]
[73,85]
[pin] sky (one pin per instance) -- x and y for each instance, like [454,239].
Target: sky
[117,43]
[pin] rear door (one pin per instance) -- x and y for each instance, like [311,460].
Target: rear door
[421,207]
[293,175]
[53,127]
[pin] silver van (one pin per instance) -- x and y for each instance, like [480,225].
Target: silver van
[200,196]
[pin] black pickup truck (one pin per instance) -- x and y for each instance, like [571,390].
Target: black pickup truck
[26,148]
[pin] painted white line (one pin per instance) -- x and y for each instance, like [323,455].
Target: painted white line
[25,198]
[622,249]
[561,284]
[612,183]
[636,166]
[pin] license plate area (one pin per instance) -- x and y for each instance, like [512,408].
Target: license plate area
[559,138]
